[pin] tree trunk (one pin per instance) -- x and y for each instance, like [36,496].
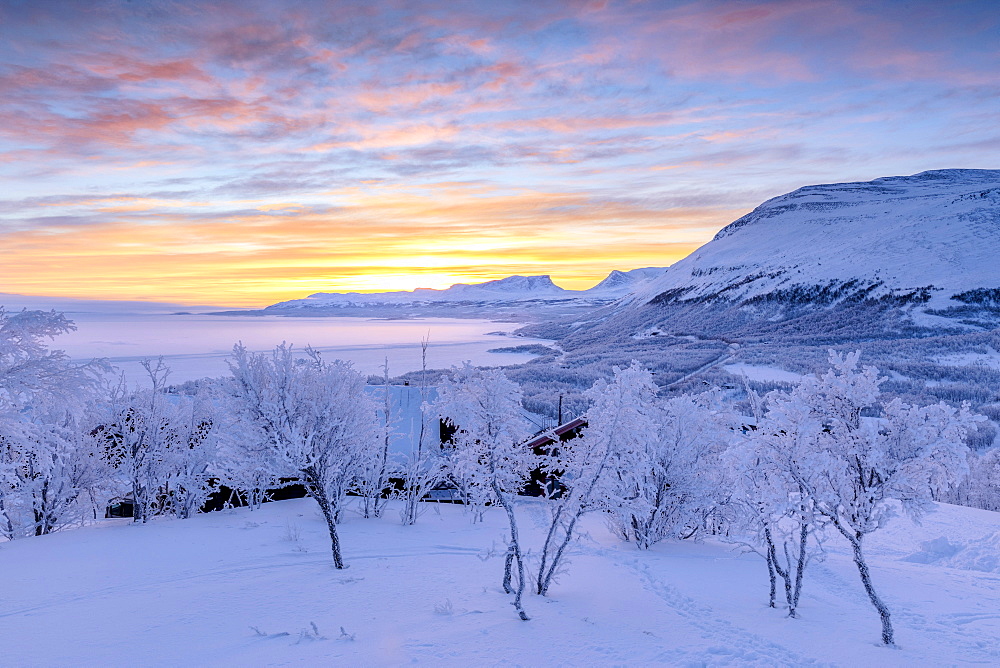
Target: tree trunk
[543,585]
[770,569]
[508,563]
[800,567]
[540,585]
[410,509]
[320,495]
[866,580]
[514,553]
[786,576]
[8,525]
[545,578]
[139,506]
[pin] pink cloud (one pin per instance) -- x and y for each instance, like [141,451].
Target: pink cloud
[383,99]
[123,68]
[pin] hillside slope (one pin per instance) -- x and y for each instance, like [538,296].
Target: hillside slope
[240,588]
[931,239]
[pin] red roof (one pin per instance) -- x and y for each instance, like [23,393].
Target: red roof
[550,435]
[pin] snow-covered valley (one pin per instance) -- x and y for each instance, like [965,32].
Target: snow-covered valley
[697,398]
[245,588]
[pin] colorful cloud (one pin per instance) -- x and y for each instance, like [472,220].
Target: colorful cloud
[245,152]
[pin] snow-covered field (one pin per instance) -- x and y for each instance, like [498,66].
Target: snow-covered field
[989,360]
[763,373]
[258,588]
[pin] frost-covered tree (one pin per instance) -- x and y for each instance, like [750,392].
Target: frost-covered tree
[190,462]
[767,510]
[241,456]
[662,485]
[47,465]
[853,467]
[373,483]
[488,452]
[29,368]
[423,467]
[242,462]
[313,416]
[981,489]
[139,433]
[622,416]
[52,473]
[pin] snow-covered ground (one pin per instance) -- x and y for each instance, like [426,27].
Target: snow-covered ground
[763,373]
[246,588]
[990,359]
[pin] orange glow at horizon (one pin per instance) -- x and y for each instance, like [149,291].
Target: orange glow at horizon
[381,238]
[130,283]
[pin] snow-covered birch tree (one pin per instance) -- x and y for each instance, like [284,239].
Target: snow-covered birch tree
[621,417]
[661,486]
[52,473]
[767,511]
[373,483]
[854,467]
[29,368]
[191,459]
[242,460]
[313,416]
[139,433]
[423,467]
[47,464]
[485,407]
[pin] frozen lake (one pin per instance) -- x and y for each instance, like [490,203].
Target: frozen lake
[197,345]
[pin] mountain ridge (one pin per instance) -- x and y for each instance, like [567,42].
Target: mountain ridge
[512,289]
[924,238]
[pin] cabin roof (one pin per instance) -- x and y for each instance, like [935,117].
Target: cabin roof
[551,435]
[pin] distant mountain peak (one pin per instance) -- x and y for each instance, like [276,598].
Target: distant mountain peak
[620,283]
[509,290]
[514,283]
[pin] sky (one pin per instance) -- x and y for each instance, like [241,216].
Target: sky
[242,153]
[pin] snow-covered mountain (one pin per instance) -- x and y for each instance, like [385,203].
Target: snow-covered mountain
[620,283]
[510,290]
[931,239]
